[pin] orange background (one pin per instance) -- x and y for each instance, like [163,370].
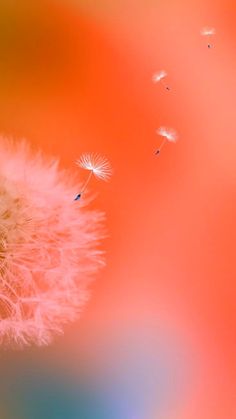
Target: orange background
[76,77]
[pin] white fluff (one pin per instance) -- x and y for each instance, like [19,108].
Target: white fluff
[208,31]
[159,76]
[170,134]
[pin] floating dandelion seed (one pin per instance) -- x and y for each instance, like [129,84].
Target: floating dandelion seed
[169,135]
[208,32]
[158,77]
[48,247]
[97,165]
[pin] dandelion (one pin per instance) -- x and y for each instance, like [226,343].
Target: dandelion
[97,166]
[48,247]
[208,32]
[158,77]
[169,135]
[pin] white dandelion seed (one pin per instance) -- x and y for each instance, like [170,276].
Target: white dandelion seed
[208,32]
[169,135]
[97,165]
[158,77]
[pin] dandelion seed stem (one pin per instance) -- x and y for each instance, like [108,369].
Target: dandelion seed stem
[162,145]
[86,182]
[165,85]
[209,44]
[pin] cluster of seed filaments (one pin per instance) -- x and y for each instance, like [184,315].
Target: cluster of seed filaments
[14,225]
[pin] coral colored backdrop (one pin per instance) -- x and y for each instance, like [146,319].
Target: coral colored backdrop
[77,77]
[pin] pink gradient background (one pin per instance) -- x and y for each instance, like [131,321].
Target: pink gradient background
[77,77]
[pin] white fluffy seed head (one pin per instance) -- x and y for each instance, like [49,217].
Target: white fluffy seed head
[170,134]
[159,76]
[97,164]
[48,247]
[208,31]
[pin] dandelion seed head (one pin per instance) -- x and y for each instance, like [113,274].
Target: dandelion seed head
[48,247]
[208,31]
[97,164]
[159,76]
[170,134]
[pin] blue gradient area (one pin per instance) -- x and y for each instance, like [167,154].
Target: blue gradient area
[136,377]
[49,396]
[40,394]
[146,375]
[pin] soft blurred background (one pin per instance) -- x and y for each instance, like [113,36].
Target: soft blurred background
[158,337]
